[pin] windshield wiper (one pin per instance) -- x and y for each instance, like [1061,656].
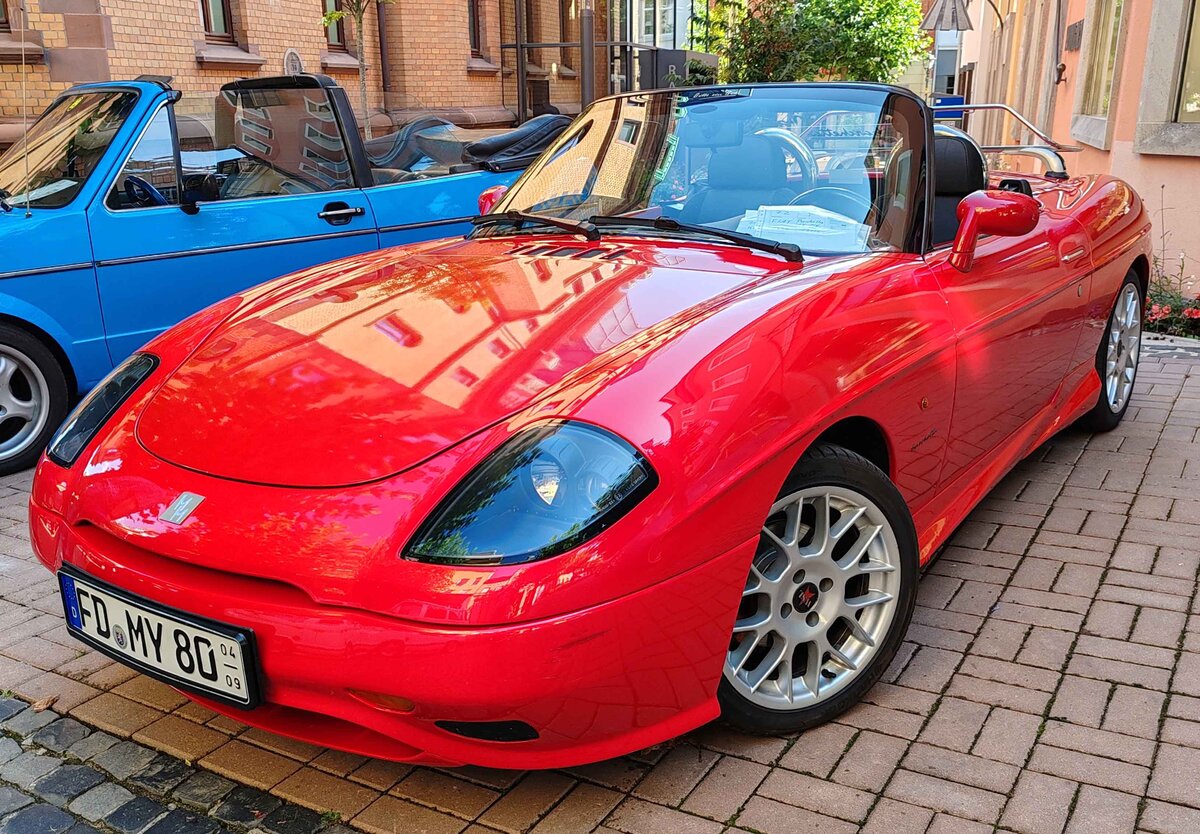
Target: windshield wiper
[520,218]
[788,251]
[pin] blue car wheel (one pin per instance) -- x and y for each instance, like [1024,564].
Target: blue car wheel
[33,398]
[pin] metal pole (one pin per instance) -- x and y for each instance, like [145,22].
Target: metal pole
[522,69]
[384,63]
[25,111]
[587,58]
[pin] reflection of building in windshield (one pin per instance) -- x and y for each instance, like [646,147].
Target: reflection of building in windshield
[612,164]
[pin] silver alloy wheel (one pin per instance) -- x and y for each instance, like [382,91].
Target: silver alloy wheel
[24,402]
[821,596]
[1124,347]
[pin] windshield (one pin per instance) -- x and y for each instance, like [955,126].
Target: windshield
[65,145]
[830,168]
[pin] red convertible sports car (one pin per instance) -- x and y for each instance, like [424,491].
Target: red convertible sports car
[669,436]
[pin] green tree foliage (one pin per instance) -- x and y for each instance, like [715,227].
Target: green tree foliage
[710,23]
[823,40]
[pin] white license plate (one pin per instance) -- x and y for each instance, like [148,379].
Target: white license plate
[194,653]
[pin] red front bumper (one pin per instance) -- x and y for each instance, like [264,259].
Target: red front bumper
[595,683]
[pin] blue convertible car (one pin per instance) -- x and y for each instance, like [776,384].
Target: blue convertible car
[130,207]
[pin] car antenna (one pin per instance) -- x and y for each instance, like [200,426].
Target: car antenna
[25,108]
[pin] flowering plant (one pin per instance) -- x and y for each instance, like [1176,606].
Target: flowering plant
[1170,308]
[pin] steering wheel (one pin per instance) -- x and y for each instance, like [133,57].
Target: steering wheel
[143,193]
[841,201]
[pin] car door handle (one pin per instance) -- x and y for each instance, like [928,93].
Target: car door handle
[339,214]
[1075,255]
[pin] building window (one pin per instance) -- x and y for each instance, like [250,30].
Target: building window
[1189,87]
[335,33]
[658,21]
[567,27]
[474,28]
[1102,58]
[218,26]
[1168,120]
[945,70]
[531,21]
[4,24]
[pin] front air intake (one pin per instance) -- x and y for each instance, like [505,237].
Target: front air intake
[490,730]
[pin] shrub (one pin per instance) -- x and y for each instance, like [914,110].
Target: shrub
[1168,309]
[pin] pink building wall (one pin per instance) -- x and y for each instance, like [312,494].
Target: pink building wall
[1170,184]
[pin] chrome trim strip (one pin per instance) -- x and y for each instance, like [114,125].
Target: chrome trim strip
[427,224]
[235,247]
[45,270]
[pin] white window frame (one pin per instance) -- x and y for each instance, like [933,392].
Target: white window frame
[1158,132]
[1097,131]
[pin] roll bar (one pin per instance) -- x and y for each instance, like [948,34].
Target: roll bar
[1049,152]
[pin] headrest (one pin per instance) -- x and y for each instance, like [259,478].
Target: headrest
[756,163]
[959,168]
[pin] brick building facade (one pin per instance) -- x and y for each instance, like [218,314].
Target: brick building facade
[444,55]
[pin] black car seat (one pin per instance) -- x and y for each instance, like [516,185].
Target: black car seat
[958,170]
[740,179]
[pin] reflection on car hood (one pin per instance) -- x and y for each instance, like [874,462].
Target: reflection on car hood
[364,368]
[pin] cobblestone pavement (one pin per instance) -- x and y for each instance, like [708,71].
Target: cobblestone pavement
[1172,347]
[1050,683]
[58,776]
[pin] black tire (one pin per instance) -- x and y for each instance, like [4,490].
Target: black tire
[20,447]
[1103,416]
[834,466]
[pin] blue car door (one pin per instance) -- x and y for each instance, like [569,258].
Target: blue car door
[219,195]
[420,188]
[431,208]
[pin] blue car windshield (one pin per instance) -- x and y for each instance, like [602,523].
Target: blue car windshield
[65,146]
[830,168]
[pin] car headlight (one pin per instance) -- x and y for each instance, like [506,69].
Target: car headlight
[98,407]
[544,491]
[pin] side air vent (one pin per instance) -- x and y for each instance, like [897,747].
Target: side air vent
[580,252]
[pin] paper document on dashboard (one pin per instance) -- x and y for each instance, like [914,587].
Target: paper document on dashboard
[809,227]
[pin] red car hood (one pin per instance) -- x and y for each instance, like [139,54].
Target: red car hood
[361,369]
